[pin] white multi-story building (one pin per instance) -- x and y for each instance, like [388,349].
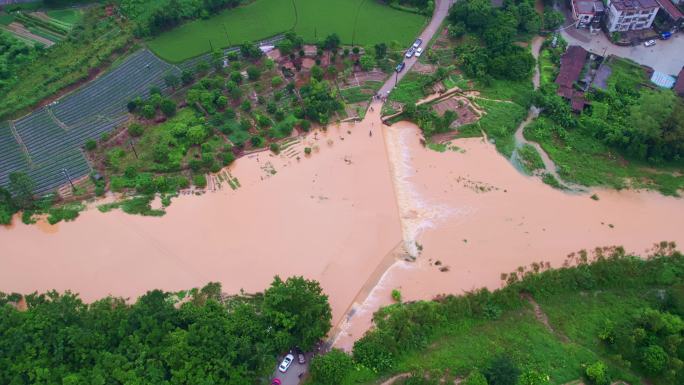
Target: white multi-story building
[629,15]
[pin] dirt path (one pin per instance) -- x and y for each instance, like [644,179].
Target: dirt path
[543,318]
[393,379]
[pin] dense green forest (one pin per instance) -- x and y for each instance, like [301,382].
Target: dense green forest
[13,55]
[606,316]
[190,337]
[489,33]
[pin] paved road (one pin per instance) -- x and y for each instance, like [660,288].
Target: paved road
[441,12]
[666,56]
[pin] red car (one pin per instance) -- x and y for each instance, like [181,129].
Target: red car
[275,382]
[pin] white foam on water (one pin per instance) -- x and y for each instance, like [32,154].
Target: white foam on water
[361,314]
[416,213]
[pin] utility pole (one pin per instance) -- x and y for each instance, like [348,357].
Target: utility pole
[133,148]
[66,175]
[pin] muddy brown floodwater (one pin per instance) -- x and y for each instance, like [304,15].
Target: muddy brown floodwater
[475,216]
[345,215]
[330,216]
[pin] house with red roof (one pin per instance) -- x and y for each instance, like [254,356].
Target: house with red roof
[572,63]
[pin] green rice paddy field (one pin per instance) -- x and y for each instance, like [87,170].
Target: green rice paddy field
[68,16]
[363,21]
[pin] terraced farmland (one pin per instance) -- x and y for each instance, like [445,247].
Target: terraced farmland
[53,135]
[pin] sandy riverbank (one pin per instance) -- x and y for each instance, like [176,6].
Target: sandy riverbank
[330,217]
[479,217]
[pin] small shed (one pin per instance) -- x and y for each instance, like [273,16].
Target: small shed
[662,79]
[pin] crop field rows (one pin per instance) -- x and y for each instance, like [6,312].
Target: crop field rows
[53,135]
[11,155]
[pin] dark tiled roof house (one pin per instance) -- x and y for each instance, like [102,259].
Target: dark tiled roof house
[572,62]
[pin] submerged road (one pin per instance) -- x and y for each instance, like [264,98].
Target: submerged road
[441,12]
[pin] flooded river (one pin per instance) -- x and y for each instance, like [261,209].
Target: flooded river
[347,215]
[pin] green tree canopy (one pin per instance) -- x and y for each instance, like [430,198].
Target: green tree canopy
[298,311]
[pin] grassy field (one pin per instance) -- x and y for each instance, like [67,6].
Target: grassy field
[551,326]
[313,19]
[68,16]
[586,160]
[530,159]
[560,352]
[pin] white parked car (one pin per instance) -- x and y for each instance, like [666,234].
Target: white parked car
[419,51]
[287,361]
[650,43]
[410,52]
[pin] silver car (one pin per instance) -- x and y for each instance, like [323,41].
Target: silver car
[287,361]
[410,52]
[417,43]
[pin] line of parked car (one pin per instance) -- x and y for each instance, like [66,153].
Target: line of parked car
[415,50]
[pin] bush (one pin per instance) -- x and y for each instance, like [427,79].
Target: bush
[475,378]
[305,125]
[502,371]
[654,359]
[90,145]
[253,73]
[148,111]
[307,150]
[246,106]
[597,374]
[257,141]
[396,295]
[168,107]
[275,148]
[330,368]
[277,81]
[372,351]
[199,180]
[135,130]
[532,377]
